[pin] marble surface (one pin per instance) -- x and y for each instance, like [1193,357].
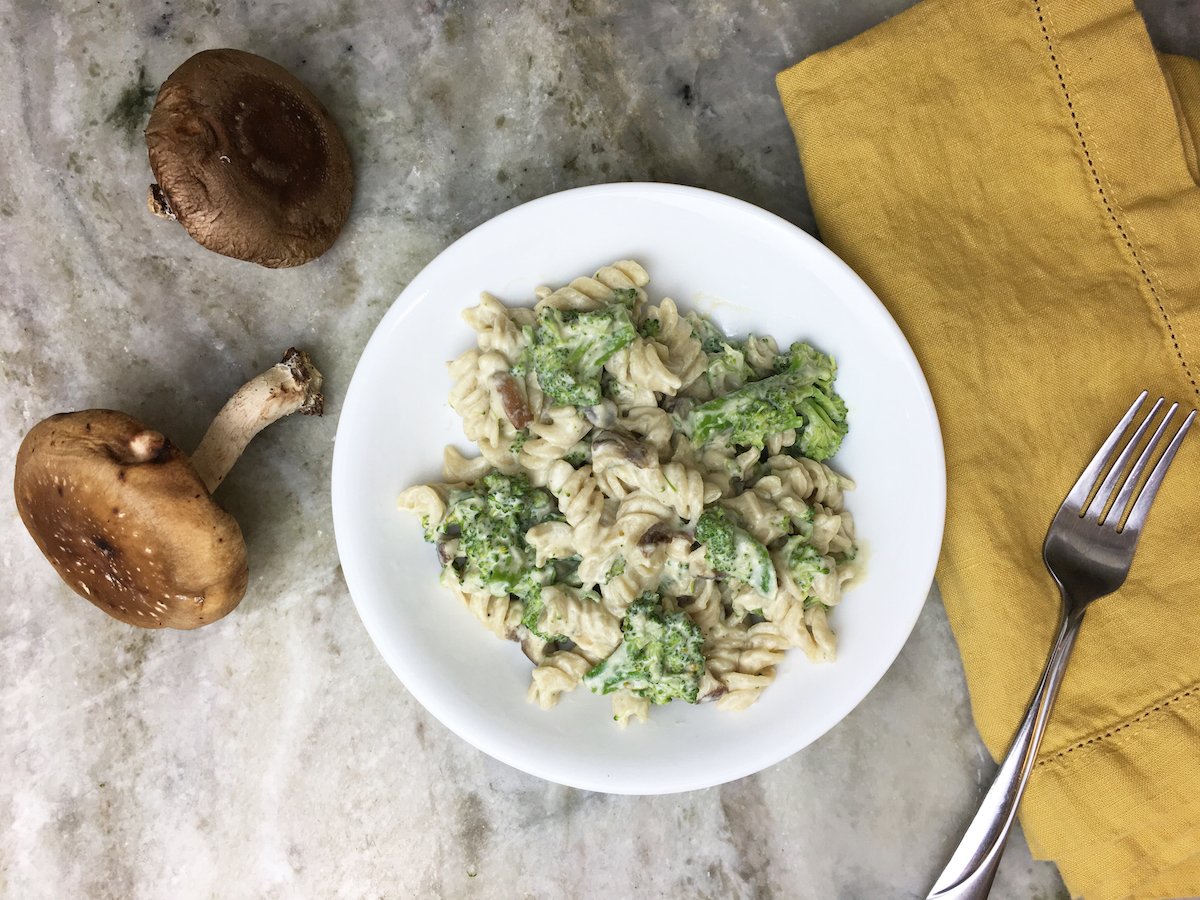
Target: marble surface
[273,754]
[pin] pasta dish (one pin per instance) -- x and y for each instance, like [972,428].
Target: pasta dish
[650,514]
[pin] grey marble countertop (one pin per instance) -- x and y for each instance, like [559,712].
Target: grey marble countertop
[273,754]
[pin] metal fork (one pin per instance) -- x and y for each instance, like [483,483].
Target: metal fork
[1088,550]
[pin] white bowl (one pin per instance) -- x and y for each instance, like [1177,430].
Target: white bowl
[751,271]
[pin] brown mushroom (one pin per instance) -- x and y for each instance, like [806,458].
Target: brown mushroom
[515,408]
[127,519]
[248,160]
[621,446]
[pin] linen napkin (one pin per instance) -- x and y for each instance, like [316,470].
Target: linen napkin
[1017,181]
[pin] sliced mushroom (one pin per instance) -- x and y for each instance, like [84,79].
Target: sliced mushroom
[248,160]
[128,521]
[617,445]
[656,534]
[602,415]
[511,398]
[447,549]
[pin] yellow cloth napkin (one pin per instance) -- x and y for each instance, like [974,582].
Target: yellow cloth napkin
[1017,180]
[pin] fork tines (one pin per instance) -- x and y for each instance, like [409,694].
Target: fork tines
[1123,478]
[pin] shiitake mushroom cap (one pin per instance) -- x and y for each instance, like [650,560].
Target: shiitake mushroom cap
[248,160]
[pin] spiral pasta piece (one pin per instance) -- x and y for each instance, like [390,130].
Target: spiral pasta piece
[704,607]
[560,673]
[760,353]
[469,393]
[762,649]
[629,707]
[551,540]
[685,359]
[459,468]
[810,480]
[776,443]
[760,516]
[500,614]
[646,532]
[495,329]
[586,294]
[622,468]
[477,396]
[426,501]
[652,424]
[827,587]
[724,468]
[826,529]
[582,618]
[643,364]
[817,617]
[580,500]
[561,429]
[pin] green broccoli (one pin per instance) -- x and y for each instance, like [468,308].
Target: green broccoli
[711,338]
[726,357]
[650,328]
[800,396]
[626,297]
[534,605]
[661,657]
[579,454]
[728,367]
[801,357]
[802,524]
[824,425]
[804,561]
[732,551]
[569,349]
[491,518]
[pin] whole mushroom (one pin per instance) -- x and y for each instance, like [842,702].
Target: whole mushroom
[248,160]
[128,520]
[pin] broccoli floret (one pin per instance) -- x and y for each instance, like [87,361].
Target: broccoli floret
[579,454]
[626,297]
[524,364]
[711,338]
[801,357]
[804,561]
[569,349]
[802,524]
[661,657]
[727,367]
[430,531]
[534,605]
[650,328]
[800,397]
[824,425]
[726,357]
[491,518]
[734,552]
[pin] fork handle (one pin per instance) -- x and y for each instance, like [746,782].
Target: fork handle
[969,874]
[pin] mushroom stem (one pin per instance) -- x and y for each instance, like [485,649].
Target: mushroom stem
[287,387]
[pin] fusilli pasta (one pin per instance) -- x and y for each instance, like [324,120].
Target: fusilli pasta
[621,544]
